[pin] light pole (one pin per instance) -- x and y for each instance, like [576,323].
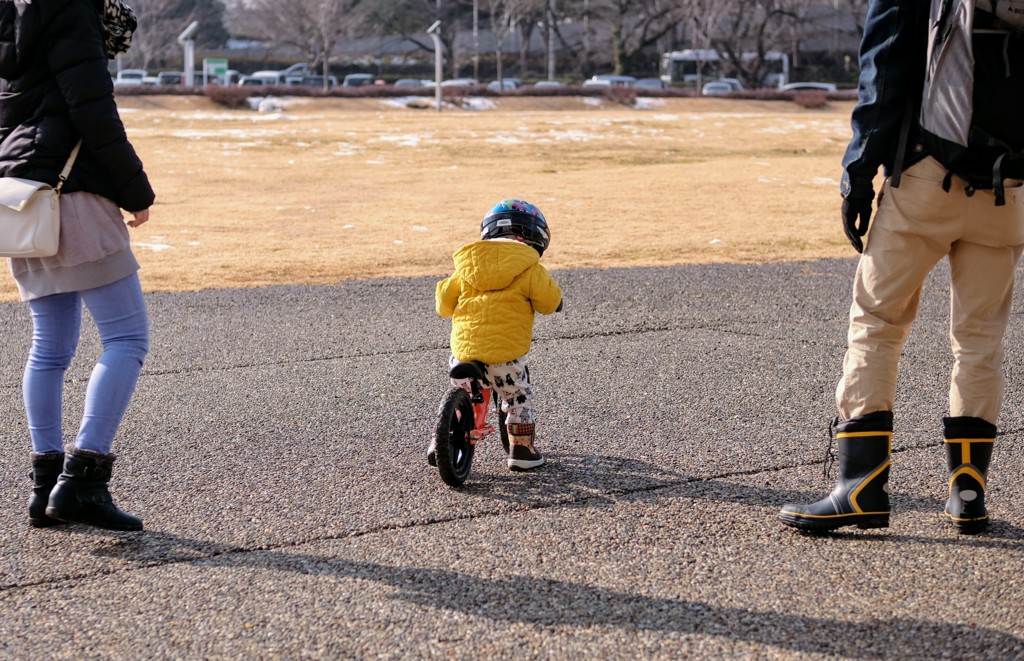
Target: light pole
[438,73]
[551,39]
[835,25]
[185,39]
[586,34]
[476,40]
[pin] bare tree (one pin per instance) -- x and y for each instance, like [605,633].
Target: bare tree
[161,21]
[700,20]
[636,26]
[410,18]
[854,10]
[587,33]
[313,26]
[528,15]
[502,13]
[756,27]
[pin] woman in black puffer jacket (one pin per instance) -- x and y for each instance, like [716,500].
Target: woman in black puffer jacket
[54,92]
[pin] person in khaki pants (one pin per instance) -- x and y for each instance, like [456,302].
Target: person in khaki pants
[955,192]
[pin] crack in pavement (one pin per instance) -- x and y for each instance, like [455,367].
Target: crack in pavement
[720,327]
[211,551]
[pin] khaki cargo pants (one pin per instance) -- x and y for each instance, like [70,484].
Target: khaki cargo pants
[917,225]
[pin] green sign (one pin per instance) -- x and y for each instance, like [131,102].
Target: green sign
[215,66]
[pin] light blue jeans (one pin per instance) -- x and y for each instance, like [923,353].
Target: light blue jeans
[119,311]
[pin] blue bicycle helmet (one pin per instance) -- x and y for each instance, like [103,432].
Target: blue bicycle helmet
[517,218]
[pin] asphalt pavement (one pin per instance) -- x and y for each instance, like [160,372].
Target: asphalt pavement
[275,450]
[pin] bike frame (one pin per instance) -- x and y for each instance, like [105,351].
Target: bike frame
[480,396]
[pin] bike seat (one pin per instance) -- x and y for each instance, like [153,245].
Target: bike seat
[471,370]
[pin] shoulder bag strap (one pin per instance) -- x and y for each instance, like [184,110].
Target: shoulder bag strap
[63,176]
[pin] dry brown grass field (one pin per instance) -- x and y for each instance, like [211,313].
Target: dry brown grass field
[334,189]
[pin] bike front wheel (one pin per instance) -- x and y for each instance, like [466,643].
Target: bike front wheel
[454,423]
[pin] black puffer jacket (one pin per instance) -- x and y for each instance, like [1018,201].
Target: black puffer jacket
[55,89]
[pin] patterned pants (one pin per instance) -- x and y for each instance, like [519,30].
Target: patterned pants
[511,385]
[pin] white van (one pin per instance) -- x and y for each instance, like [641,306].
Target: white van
[261,78]
[609,80]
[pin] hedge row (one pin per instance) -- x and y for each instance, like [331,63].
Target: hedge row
[236,96]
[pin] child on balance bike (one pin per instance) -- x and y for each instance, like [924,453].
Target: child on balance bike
[497,287]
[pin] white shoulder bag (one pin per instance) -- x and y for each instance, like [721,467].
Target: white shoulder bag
[30,214]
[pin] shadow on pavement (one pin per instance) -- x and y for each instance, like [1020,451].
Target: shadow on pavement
[548,602]
[573,477]
[604,479]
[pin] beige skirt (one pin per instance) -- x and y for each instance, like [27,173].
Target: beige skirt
[94,250]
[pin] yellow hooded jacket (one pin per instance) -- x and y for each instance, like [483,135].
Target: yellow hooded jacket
[491,298]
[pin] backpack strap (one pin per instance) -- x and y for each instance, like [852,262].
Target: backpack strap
[901,144]
[997,181]
[947,183]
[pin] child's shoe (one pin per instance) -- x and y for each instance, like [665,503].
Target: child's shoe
[432,452]
[522,456]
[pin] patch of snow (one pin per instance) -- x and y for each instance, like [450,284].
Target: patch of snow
[648,103]
[155,247]
[478,103]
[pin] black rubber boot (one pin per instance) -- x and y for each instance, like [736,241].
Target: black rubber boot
[46,468]
[969,443]
[861,497]
[81,494]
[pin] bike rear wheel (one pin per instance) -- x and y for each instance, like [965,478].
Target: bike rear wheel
[454,451]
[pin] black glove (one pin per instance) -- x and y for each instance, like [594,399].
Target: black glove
[856,216]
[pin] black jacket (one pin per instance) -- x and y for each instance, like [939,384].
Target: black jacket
[55,89]
[892,68]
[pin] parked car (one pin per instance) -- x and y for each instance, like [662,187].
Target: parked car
[651,84]
[605,80]
[295,73]
[170,78]
[132,78]
[716,88]
[549,83]
[412,82]
[734,83]
[804,87]
[459,82]
[230,77]
[358,80]
[262,78]
[312,80]
[504,84]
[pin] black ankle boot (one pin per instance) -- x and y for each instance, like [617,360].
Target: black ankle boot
[969,443]
[46,467]
[81,494]
[861,497]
